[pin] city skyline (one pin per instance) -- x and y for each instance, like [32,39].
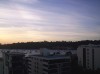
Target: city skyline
[51,20]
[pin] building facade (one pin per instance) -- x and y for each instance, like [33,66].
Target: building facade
[1,66]
[13,63]
[89,56]
[46,63]
[41,61]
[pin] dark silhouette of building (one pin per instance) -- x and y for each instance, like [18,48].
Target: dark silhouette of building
[45,63]
[14,63]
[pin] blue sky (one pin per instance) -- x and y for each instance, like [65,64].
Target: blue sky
[51,20]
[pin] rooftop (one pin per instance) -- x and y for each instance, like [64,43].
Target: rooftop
[51,56]
[14,53]
[90,45]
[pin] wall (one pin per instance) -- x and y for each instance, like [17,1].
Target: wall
[1,66]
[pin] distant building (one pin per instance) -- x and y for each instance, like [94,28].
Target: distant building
[47,63]
[89,56]
[41,61]
[1,66]
[13,63]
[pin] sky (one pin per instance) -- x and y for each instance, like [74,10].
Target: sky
[50,20]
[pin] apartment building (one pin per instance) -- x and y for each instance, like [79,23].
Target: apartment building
[47,63]
[43,61]
[13,63]
[89,56]
[1,66]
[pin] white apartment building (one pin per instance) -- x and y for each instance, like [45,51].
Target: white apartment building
[46,63]
[89,56]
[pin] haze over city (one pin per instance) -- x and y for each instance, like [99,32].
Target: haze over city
[51,20]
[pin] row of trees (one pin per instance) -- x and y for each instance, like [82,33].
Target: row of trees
[50,45]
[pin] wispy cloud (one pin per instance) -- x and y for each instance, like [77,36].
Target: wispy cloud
[21,20]
[25,1]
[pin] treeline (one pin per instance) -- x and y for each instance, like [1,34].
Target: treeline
[50,45]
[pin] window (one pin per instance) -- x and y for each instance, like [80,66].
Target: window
[87,53]
[88,66]
[45,65]
[88,60]
[45,60]
[87,49]
[34,58]
[93,59]
[58,61]
[45,70]
[87,63]
[40,59]
[52,66]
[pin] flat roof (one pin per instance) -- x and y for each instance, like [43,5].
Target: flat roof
[52,56]
[14,53]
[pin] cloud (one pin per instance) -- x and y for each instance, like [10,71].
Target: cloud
[19,1]
[24,0]
[21,22]
[18,17]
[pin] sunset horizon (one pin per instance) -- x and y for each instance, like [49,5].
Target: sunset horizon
[49,20]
